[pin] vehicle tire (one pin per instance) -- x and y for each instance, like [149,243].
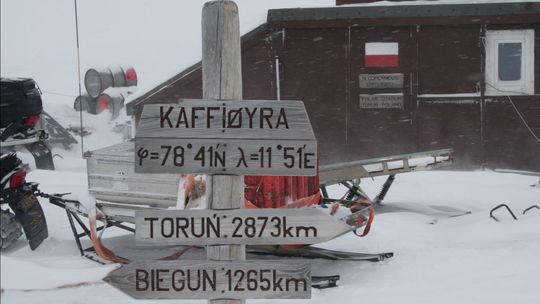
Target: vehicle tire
[10,229]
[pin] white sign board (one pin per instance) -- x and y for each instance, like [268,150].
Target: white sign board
[193,279]
[381,101]
[226,137]
[240,226]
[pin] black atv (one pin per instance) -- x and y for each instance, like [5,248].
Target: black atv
[21,108]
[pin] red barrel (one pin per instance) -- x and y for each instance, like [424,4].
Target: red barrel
[111,100]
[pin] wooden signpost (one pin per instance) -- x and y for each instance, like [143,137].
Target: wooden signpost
[224,135]
[249,227]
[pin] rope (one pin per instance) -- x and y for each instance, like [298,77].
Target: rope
[59,94]
[517,111]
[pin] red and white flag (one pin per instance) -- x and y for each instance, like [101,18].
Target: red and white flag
[382,54]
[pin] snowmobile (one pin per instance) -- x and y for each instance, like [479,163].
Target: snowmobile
[23,211]
[21,107]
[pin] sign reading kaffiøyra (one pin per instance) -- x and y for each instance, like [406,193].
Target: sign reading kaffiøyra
[226,137]
[240,226]
[200,279]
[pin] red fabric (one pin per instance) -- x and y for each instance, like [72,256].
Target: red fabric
[381,60]
[278,191]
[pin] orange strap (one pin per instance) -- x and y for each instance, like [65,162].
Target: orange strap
[108,255]
[360,220]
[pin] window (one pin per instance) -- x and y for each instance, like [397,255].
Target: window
[510,62]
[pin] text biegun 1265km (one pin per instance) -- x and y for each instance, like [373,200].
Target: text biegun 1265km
[191,279]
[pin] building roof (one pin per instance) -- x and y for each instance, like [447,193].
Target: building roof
[422,11]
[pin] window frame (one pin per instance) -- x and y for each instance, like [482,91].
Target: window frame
[525,85]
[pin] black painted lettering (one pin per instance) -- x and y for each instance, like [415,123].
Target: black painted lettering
[250,116]
[276,223]
[234,119]
[209,115]
[249,231]
[238,286]
[296,283]
[266,114]
[181,225]
[224,118]
[265,283]
[167,230]
[182,118]
[141,280]
[287,230]
[195,281]
[237,220]
[160,279]
[178,284]
[282,119]
[151,220]
[276,282]
[209,280]
[201,225]
[213,226]
[306,230]
[194,115]
[251,280]
[307,160]
[164,117]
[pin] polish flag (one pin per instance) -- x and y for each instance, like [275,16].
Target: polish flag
[382,54]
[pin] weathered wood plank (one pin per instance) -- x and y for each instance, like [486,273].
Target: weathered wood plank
[226,156]
[226,119]
[222,79]
[191,279]
[248,227]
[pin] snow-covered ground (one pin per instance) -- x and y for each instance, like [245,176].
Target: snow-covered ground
[438,258]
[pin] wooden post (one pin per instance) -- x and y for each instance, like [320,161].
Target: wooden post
[222,79]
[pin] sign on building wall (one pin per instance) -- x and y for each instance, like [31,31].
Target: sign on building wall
[381,81]
[382,101]
[382,54]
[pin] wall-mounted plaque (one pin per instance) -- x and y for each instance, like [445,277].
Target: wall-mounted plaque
[381,101]
[381,81]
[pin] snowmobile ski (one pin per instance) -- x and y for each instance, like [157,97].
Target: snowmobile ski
[31,217]
[322,282]
[42,155]
[310,252]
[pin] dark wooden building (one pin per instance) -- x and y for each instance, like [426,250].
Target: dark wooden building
[382,80]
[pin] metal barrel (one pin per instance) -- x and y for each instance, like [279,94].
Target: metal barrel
[111,100]
[130,76]
[85,101]
[97,81]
